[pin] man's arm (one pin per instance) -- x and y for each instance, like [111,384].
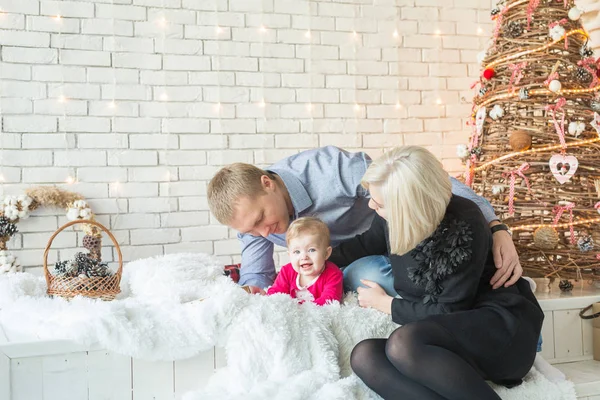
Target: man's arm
[258,267]
[462,190]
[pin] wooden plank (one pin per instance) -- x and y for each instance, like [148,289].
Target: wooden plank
[64,377]
[26,378]
[109,376]
[193,373]
[4,377]
[220,357]
[588,338]
[567,334]
[153,380]
[548,336]
[44,348]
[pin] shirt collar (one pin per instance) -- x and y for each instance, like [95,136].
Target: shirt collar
[300,198]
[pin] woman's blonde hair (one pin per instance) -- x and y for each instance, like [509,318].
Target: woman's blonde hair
[416,191]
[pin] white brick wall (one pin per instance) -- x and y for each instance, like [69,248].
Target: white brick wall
[144,161]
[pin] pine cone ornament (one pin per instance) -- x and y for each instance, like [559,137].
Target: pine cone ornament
[60,268]
[586,52]
[565,285]
[582,75]
[585,244]
[84,262]
[514,29]
[99,270]
[7,228]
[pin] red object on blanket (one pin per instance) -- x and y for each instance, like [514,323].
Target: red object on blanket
[232,271]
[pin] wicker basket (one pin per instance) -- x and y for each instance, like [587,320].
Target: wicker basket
[104,287]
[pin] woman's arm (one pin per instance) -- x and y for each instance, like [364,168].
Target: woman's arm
[370,243]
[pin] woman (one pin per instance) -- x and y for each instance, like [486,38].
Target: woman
[456,330]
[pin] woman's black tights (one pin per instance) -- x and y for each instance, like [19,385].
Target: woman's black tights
[419,361]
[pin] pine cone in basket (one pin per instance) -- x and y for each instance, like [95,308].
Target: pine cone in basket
[99,270]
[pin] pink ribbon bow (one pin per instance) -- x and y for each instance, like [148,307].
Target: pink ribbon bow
[533,5]
[513,177]
[559,210]
[517,74]
[560,128]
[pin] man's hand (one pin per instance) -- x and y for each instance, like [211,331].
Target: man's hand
[254,290]
[373,296]
[506,260]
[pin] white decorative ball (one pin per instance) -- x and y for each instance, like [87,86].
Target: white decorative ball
[555,86]
[497,189]
[574,14]
[462,151]
[557,32]
[73,214]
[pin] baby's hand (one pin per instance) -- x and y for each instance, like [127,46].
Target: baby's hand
[254,290]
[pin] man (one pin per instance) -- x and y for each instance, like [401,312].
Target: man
[324,182]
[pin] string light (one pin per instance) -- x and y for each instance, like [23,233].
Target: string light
[219,29]
[536,150]
[438,32]
[263,29]
[262,103]
[62,99]
[309,106]
[398,106]
[58,17]
[356,107]
[479,30]
[164,97]
[565,225]
[70,180]
[439,101]
[396,34]
[162,22]
[307,34]
[112,104]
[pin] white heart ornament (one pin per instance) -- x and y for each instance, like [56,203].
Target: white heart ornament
[563,167]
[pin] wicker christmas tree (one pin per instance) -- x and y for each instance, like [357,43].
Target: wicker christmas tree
[535,148]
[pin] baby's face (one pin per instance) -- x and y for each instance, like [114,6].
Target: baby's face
[308,255]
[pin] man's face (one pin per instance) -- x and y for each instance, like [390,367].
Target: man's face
[264,214]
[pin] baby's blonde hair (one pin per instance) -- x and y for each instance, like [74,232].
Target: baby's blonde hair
[310,226]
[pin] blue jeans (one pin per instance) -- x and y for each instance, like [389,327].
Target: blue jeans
[378,269]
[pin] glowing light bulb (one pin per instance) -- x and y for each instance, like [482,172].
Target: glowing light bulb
[309,106]
[263,29]
[479,30]
[62,99]
[262,104]
[112,104]
[164,97]
[70,180]
[398,106]
[58,17]
[438,32]
[307,34]
[356,107]
[396,34]
[1,178]
[439,101]
[162,21]
[219,29]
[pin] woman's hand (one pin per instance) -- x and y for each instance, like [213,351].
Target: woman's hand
[373,296]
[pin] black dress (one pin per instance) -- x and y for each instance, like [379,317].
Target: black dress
[446,279]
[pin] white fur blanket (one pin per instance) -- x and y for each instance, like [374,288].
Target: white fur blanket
[276,349]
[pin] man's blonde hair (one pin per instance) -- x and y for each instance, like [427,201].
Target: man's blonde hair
[308,226]
[232,183]
[416,191]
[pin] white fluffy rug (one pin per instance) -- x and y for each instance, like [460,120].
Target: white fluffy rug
[276,349]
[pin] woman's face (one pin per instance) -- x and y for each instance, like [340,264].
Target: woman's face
[376,202]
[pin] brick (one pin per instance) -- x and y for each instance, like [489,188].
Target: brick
[228,19]
[12,21]
[56,107]
[313,22]
[178,46]
[327,67]
[186,63]
[296,141]
[340,140]
[104,174]
[52,24]
[346,82]
[134,189]
[163,109]
[207,32]
[98,27]
[45,175]
[195,203]
[158,30]
[233,126]
[83,158]
[57,73]
[401,97]
[153,141]
[272,50]
[152,174]
[73,91]
[207,142]
[132,157]
[84,124]
[205,5]
[185,125]
[295,7]
[268,20]
[227,247]
[135,221]
[184,219]
[351,24]
[256,110]
[257,79]
[303,80]
[307,110]
[253,35]
[75,9]
[124,12]
[319,52]
[193,247]
[212,78]
[112,75]
[29,56]
[127,44]
[224,63]
[297,36]
[197,173]
[163,78]
[178,93]
[105,141]
[273,95]
[47,141]
[280,65]
[425,111]
[278,126]
[30,124]
[136,125]
[171,16]
[203,233]
[179,189]
[31,7]
[318,95]
[24,39]
[226,95]
[214,110]
[141,61]
[26,158]
[251,141]
[153,205]
[458,70]
[83,57]
[108,206]
[131,253]
[109,109]
[350,53]
[382,140]
[224,157]
[126,92]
